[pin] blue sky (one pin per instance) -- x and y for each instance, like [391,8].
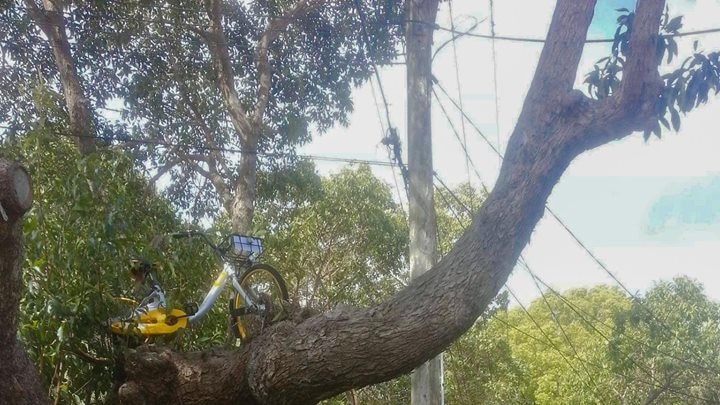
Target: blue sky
[649,210]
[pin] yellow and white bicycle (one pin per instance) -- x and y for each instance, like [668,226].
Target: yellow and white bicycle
[259,291]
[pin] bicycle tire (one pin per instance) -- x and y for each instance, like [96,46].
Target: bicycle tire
[242,326]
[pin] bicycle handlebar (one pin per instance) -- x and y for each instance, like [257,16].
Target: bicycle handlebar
[190,234]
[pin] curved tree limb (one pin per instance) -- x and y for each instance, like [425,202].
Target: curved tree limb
[354,347]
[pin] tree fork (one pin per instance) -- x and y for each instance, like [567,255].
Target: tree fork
[20,382]
[346,348]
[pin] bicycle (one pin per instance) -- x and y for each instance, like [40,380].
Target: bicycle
[258,290]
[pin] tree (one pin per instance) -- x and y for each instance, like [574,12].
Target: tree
[210,89]
[562,340]
[22,385]
[344,243]
[668,345]
[351,347]
[274,69]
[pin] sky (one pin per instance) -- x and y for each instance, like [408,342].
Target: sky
[647,210]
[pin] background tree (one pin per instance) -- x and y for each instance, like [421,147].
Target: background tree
[558,341]
[275,70]
[345,244]
[671,339]
[194,78]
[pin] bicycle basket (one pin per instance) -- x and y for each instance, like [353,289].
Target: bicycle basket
[246,247]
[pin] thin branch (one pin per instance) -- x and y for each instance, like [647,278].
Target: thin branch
[226,79]
[162,170]
[88,358]
[276,26]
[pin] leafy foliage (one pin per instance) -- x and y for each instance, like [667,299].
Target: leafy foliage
[341,240]
[84,226]
[149,76]
[685,87]
[670,337]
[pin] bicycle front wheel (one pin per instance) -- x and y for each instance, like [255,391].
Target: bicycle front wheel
[267,291]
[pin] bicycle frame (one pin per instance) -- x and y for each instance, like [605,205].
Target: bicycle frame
[228,272]
[159,321]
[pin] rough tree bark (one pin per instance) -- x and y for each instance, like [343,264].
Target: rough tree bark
[51,21]
[426,381]
[19,382]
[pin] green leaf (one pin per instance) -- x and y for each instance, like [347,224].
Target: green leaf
[674,24]
[675,119]
[657,130]
[665,122]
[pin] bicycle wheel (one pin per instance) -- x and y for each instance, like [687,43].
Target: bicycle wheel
[265,286]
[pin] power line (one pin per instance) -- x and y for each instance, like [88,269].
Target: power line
[547,207]
[575,309]
[543,40]
[552,344]
[390,158]
[603,368]
[457,83]
[391,140]
[582,314]
[322,158]
[463,145]
[562,330]
[495,77]
[434,25]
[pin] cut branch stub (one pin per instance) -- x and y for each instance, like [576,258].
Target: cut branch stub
[15,191]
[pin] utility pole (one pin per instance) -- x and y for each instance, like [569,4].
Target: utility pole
[426,380]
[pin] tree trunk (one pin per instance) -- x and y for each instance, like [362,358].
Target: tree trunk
[243,206]
[50,19]
[20,382]
[427,380]
[347,348]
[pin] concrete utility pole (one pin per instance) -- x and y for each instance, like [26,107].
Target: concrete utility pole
[426,380]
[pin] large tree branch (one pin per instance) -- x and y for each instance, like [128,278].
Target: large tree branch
[350,347]
[20,383]
[558,63]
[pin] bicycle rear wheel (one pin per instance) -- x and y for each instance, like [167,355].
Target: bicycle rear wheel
[265,287]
